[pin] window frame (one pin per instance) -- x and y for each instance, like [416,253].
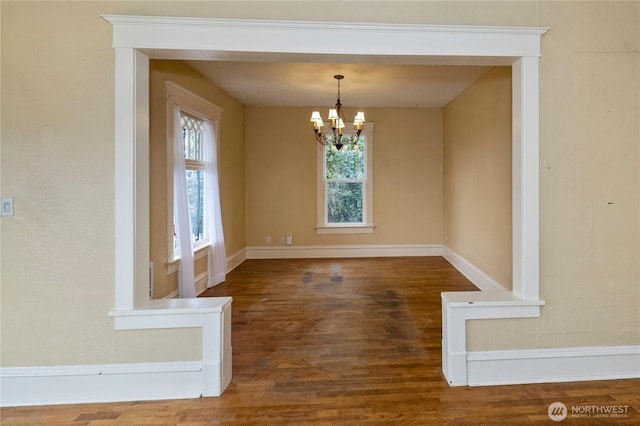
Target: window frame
[196,165]
[200,108]
[367,225]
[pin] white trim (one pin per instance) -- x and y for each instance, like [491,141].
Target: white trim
[201,282]
[236,259]
[525,178]
[367,226]
[458,307]
[292,37]
[308,252]
[170,313]
[23,386]
[136,39]
[131,165]
[525,225]
[352,229]
[481,280]
[211,314]
[553,365]
[192,103]
[172,295]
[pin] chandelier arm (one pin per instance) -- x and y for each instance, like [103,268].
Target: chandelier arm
[322,139]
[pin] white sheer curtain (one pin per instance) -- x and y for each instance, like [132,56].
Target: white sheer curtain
[181,219]
[213,212]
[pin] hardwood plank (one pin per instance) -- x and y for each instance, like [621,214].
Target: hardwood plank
[344,341]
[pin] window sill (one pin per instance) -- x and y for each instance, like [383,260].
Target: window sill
[352,229]
[199,253]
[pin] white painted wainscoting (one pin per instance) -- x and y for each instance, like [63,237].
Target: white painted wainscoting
[462,368]
[142,381]
[74,384]
[553,365]
[71,384]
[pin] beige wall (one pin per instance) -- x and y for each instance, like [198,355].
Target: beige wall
[57,253]
[231,172]
[477,175]
[589,183]
[281,177]
[57,258]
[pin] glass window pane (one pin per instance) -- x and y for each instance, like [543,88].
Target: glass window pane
[192,134]
[346,163]
[195,195]
[344,202]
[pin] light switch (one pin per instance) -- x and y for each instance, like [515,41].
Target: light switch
[7,206]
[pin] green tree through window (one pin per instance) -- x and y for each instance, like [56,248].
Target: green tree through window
[345,173]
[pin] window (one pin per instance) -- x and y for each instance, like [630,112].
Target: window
[194,214]
[345,186]
[193,147]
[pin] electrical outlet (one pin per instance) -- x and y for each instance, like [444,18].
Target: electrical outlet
[7,206]
[268,239]
[282,239]
[150,280]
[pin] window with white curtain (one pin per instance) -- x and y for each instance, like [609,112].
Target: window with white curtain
[193,147]
[195,214]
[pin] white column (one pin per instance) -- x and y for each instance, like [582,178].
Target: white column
[124,176]
[131,177]
[141,143]
[525,180]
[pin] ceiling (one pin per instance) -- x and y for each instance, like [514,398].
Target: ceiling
[305,84]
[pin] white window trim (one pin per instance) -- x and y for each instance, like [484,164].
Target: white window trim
[197,106]
[367,226]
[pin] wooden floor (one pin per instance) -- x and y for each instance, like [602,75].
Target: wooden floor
[344,342]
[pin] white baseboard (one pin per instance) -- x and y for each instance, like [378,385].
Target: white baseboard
[553,365]
[300,252]
[481,280]
[174,294]
[234,260]
[22,386]
[201,282]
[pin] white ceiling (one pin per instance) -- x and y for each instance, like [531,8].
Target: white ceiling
[365,85]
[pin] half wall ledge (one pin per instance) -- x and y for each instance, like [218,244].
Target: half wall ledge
[212,314]
[460,306]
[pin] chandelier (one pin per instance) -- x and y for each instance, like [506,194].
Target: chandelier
[336,136]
